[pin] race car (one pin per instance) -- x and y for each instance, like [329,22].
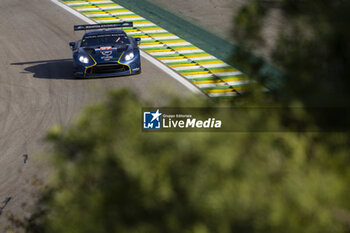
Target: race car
[105,52]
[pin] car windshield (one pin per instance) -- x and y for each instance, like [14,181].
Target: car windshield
[104,39]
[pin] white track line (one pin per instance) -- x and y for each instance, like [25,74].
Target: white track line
[175,60]
[118,20]
[148,57]
[221,94]
[98,8]
[96,15]
[164,45]
[195,67]
[146,31]
[188,59]
[144,24]
[177,52]
[87,3]
[239,82]
[122,13]
[160,37]
[217,74]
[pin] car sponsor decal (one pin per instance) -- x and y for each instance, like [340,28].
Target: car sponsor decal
[107,55]
[106,48]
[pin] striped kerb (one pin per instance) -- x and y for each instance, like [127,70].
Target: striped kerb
[213,76]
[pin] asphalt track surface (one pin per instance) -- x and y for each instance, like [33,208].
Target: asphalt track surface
[37,90]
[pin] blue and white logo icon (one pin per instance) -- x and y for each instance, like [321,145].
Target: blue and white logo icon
[151,120]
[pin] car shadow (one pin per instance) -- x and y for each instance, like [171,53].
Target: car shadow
[53,69]
[49,69]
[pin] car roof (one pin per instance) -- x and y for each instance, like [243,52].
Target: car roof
[101,32]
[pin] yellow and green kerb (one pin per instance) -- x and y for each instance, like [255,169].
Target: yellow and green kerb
[213,76]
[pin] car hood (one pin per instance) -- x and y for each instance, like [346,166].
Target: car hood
[106,54]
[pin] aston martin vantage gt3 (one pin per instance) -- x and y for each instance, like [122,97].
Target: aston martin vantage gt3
[105,51]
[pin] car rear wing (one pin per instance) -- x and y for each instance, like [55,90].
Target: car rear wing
[102,26]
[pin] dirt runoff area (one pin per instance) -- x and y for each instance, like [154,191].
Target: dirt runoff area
[215,16]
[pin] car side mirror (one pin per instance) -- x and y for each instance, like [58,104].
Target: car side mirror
[138,40]
[72,45]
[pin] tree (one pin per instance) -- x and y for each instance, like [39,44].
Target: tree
[110,177]
[311,47]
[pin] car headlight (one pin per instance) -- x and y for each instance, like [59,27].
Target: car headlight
[129,56]
[84,59]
